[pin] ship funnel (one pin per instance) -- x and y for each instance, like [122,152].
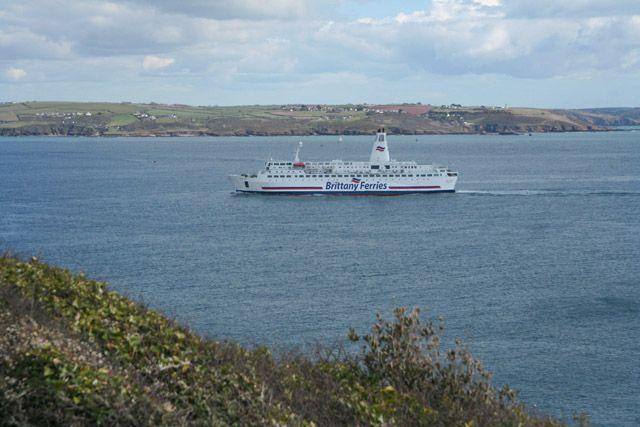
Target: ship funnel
[380,150]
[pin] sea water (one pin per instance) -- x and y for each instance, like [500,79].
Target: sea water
[534,262]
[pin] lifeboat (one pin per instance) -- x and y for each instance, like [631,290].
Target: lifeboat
[298,165]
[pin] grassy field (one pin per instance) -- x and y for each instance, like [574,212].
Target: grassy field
[122,120]
[127,119]
[74,352]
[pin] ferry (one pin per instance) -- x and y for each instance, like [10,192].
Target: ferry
[381,175]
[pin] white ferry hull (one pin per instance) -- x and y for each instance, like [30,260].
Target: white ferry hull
[380,176]
[378,187]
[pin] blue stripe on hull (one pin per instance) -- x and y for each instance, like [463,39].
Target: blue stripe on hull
[346,193]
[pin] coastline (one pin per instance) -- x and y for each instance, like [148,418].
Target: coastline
[173,120]
[252,134]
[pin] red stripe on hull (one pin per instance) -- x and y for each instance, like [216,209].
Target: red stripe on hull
[416,187]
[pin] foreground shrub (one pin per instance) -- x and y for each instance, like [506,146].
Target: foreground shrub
[403,357]
[73,352]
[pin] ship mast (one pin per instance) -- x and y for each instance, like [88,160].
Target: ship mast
[297,159]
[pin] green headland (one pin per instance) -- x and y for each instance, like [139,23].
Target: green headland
[129,119]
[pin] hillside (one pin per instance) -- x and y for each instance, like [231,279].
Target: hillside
[75,353]
[610,116]
[127,119]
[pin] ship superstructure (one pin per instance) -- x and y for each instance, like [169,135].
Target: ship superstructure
[379,176]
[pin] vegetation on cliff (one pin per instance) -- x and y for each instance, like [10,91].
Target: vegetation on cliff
[75,353]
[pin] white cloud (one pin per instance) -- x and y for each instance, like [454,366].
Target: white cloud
[15,73]
[488,3]
[250,36]
[285,40]
[481,37]
[152,63]
[245,9]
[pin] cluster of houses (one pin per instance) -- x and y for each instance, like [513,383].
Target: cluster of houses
[65,115]
[144,116]
[140,115]
[323,108]
[412,109]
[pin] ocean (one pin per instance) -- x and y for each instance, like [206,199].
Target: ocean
[533,262]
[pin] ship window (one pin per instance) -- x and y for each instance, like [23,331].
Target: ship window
[428,174]
[375,166]
[387,166]
[333,176]
[288,176]
[411,175]
[404,175]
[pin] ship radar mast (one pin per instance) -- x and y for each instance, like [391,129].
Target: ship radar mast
[380,150]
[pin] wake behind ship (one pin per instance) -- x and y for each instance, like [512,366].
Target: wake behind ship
[379,176]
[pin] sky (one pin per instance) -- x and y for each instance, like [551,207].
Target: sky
[542,53]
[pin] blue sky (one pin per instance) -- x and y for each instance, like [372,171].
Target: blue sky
[544,53]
